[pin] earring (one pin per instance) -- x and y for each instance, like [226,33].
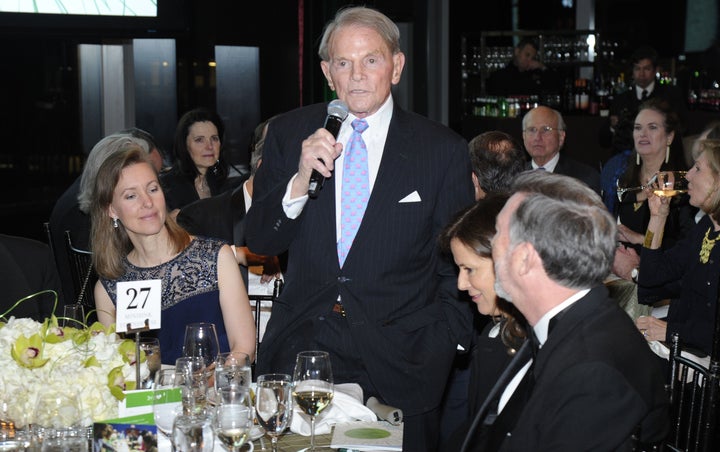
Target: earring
[637,158]
[115,222]
[667,153]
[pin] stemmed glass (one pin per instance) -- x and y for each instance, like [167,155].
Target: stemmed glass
[201,340]
[313,385]
[662,183]
[669,183]
[233,418]
[273,404]
[73,315]
[195,387]
[167,400]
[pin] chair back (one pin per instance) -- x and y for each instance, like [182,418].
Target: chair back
[258,299]
[691,390]
[83,273]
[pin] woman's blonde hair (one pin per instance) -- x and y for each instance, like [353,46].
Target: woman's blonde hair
[711,149]
[110,245]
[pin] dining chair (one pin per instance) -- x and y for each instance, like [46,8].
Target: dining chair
[692,390]
[51,243]
[83,273]
[257,300]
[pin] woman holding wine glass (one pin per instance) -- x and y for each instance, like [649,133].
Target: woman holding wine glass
[656,136]
[134,238]
[691,264]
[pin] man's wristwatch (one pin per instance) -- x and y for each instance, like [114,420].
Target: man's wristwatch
[634,275]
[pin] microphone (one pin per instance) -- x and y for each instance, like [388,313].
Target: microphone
[337,112]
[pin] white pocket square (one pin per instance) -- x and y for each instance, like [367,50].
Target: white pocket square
[412,197]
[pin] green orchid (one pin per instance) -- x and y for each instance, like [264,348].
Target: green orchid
[117,383]
[27,351]
[54,333]
[127,349]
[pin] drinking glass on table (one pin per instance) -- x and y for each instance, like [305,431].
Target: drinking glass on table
[233,417]
[73,315]
[232,369]
[201,340]
[150,346]
[195,387]
[313,385]
[167,400]
[273,404]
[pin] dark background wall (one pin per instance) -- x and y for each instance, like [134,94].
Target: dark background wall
[39,106]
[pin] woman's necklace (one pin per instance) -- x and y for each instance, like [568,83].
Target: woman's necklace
[201,186]
[707,246]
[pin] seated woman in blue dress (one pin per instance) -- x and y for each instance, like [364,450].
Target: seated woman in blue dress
[133,238]
[693,262]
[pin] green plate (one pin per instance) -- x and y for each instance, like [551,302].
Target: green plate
[367,433]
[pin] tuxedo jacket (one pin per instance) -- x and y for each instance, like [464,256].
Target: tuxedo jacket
[578,170]
[400,296]
[596,383]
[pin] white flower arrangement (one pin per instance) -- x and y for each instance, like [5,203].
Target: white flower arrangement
[92,362]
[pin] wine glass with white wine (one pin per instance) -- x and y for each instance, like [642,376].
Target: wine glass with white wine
[669,183]
[313,385]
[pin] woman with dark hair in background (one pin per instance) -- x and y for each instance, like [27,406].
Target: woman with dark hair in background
[199,169]
[469,238]
[658,147]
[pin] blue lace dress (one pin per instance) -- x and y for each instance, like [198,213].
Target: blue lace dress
[190,294]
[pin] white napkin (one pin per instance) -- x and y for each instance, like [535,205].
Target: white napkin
[663,351]
[346,406]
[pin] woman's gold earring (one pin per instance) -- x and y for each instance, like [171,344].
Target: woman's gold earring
[637,158]
[667,153]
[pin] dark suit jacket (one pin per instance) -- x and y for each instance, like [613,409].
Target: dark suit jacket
[67,216]
[596,381]
[578,170]
[27,267]
[400,296]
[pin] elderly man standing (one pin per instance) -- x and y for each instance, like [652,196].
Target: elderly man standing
[590,382]
[544,135]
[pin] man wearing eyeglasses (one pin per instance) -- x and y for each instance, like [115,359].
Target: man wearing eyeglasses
[543,136]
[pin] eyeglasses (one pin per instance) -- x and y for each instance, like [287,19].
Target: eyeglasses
[544,130]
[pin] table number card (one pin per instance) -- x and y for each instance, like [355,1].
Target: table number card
[138,305]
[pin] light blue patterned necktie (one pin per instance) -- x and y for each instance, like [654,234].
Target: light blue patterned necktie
[355,189]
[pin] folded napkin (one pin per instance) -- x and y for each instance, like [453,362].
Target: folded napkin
[346,406]
[663,351]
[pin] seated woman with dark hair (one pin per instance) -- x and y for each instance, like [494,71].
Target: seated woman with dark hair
[469,238]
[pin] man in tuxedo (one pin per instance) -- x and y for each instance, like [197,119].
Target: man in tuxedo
[544,135]
[590,382]
[387,310]
[617,131]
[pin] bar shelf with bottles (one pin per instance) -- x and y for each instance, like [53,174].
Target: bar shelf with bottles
[580,58]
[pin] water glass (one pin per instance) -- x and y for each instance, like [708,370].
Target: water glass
[273,404]
[193,433]
[167,399]
[195,388]
[153,361]
[232,369]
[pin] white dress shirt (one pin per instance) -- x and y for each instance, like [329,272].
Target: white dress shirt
[550,165]
[649,89]
[374,137]
[541,332]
